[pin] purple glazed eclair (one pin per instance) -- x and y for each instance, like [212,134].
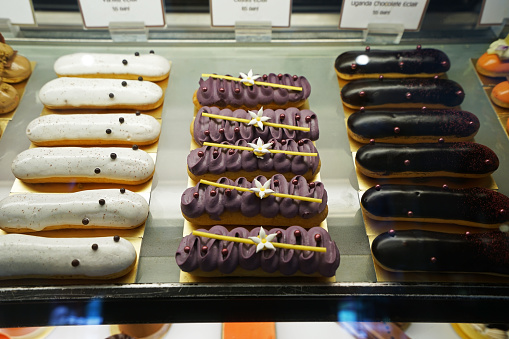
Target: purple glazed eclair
[238,94]
[205,256]
[220,130]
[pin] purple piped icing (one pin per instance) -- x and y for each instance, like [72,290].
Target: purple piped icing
[222,93]
[286,261]
[202,124]
[233,160]
[249,204]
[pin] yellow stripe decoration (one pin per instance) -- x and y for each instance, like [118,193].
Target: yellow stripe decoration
[246,121]
[244,148]
[260,83]
[251,242]
[243,189]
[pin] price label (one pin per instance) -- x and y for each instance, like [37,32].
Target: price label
[20,12]
[494,12]
[99,13]
[358,14]
[227,12]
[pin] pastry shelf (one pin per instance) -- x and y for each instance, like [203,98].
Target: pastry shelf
[157,296]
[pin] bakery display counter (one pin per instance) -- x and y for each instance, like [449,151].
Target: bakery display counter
[159,296]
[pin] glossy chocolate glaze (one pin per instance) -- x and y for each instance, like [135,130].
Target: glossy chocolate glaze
[217,160]
[375,92]
[218,130]
[238,255]
[248,204]
[456,158]
[222,93]
[435,124]
[477,205]
[408,62]
[427,251]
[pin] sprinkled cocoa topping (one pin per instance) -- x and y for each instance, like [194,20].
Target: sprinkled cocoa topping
[85,221]
[122,190]
[224,252]
[121,120]
[151,51]
[282,117]
[221,89]
[111,95]
[97,170]
[204,89]
[354,66]
[108,131]
[187,249]
[102,202]
[140,78]
[312,185]
[221,130]
[206,132]
[297,234]
[318,237]
[116,238]
[201,154]
[124,83]
[135,147]
[237,90]
[204,249]
[95,247]
[228,192]
[136,53]
[138,113]
[75,263]
[295,181]
[213,193]
[196,195]
[124,62]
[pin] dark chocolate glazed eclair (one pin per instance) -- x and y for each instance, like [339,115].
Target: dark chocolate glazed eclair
[478,207]
[456,159]
[419,62]
[205,204]
[235,94]
[219,130]
[204,256]
[412,126]
[213,162]
[402,93]
[437,252]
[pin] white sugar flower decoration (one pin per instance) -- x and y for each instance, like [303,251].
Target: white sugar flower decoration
[263,241]
[260,149]
[248,79]
[261,190]
[257,119]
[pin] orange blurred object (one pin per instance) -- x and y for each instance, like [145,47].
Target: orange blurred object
[490,65]
[249,330]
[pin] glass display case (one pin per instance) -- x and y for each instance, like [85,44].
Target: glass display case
[308,47]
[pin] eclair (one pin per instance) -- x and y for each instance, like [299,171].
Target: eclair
[462,159]
[412,126]
[245,202]
[438,252]
[477,207]
[9,98]
[252,92]
[217,129]
[419,62]
[14,67]
[214,162]
[402,93]
[500,94]
[150,67]
[203,256]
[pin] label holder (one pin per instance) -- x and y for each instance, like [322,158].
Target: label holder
[383,33]
[253,31]
[8,29]
[134,31]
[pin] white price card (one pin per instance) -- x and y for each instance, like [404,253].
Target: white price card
[358,14]
[227,12]
[20,12]
[494,12]
[99,13]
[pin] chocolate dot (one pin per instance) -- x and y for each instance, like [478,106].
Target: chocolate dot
[97,170]
[295,181]
[215,154]
[311,185]
[423,108]
[85,221]
[108,131]
[410,214]
[136,53]
[378,187]
[392,233]
[354,66]
[206,132]
[368,48]
[362,93]
[122,190]
[396,130]
[467,233]
[102,202]
[187,249]
[204,89]
[419,47]
[116,238]
[445,187]
[221,131]
[75,263]
[196,195]
[381,77]
[228,192]
[282,117]
[444,63]
[501,211]
[95,247]
[435,77]
[459,93]
[295,78]
[300,142]
[275,183]
[121,120]
[371,141]
[124,62]
[440,140]
[407,162]
[283,142]
[124,83]
[265,77]
[362,108]
[204,249]
[401,64]
[140,78]
[113,156]
[318,237]
[433,260]
[111,95]
[237,90]
[224,252]
[487,161]
[297,234]
[280,76]
[231,151]
[201,154]
[236,130]
[213,193]
[151,51]
[279,234]
[221,89]
[135,147]
[308,118]
[138,113]
[408,95]
[297,117]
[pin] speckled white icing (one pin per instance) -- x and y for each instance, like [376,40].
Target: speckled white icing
[124,128]
[86,92]
[29,256]
[146,65]
[75,210]
[129,166]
